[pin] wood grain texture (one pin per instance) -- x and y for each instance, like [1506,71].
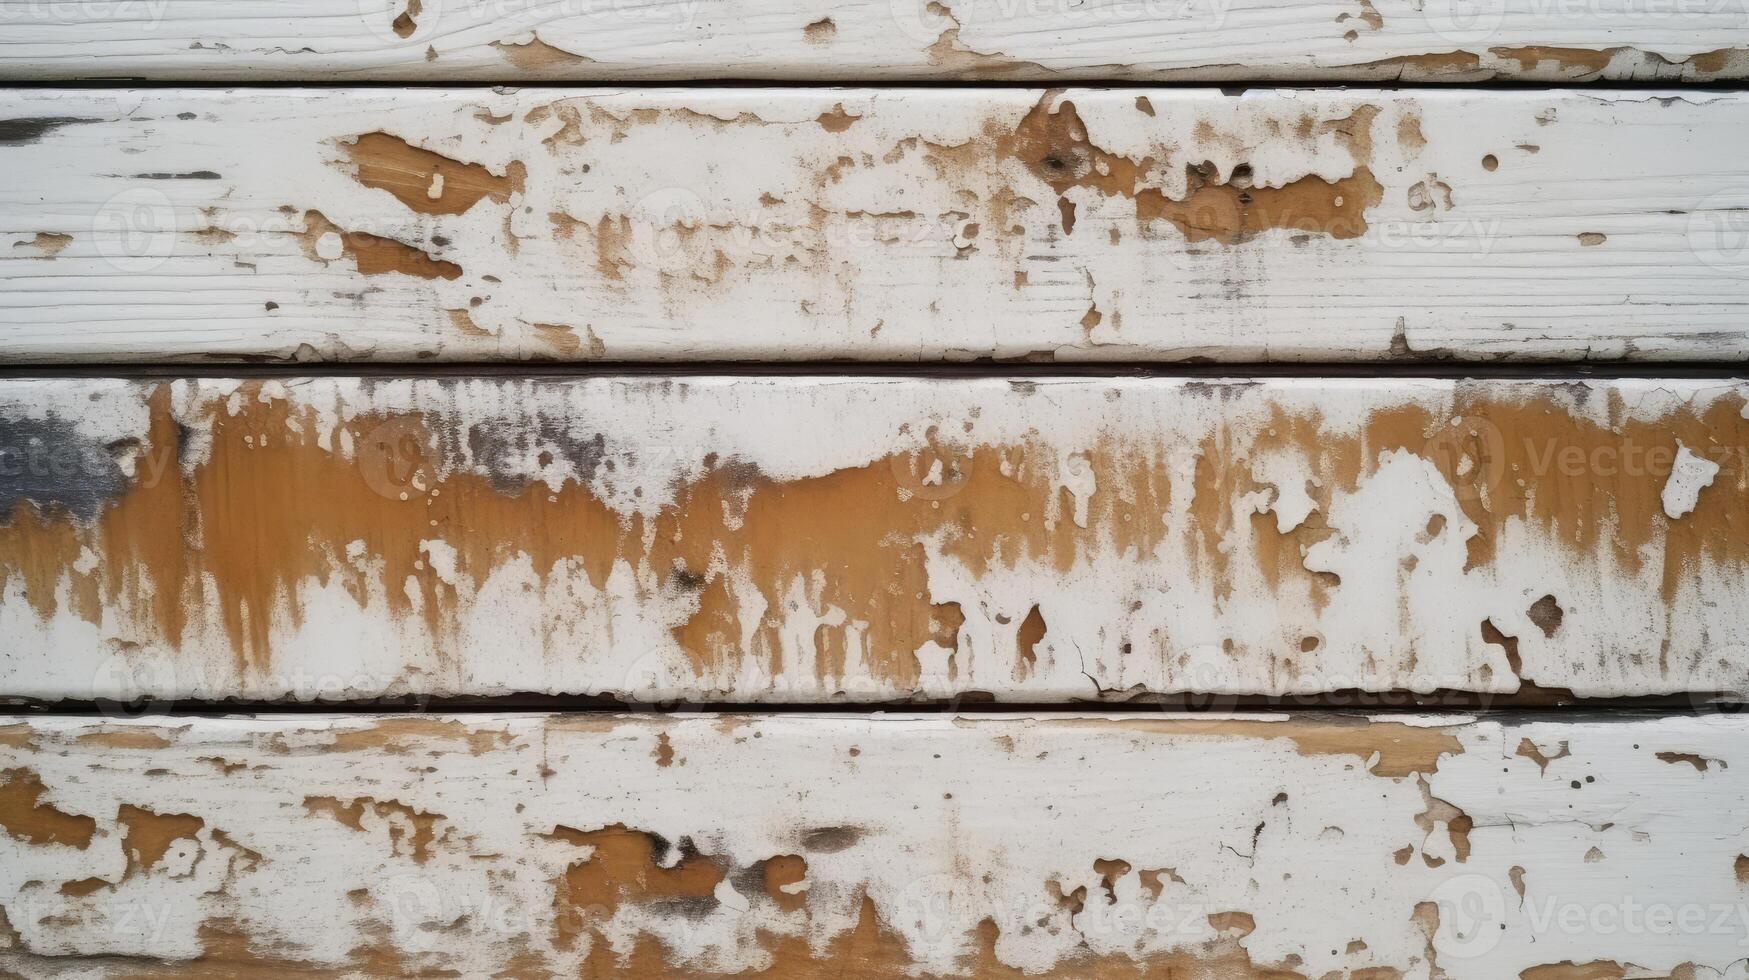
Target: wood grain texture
[1241,847]
[917,224]
[810,539]
[1238,40]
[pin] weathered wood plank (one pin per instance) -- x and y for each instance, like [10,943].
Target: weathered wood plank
[1242,847]
[807,539]
[916,224]
[1237,40]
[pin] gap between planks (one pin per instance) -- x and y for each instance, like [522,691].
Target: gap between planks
[1552,371]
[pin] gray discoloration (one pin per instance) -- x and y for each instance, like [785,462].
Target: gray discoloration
[48,463]
[831,839]
[505,449]
[195,175]
[22,132]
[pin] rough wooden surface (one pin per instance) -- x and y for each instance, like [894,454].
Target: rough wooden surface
[804,539]
[915,224]
[1239,40]
[1244,847]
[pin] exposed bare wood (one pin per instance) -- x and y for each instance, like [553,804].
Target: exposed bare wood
[918,224]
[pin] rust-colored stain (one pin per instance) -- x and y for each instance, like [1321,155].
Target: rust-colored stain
[427,182]
[1740,868]
[147,836]
[193,543]
[371,254]
[25,817]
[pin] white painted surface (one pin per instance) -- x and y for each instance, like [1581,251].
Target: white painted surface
[793,539]
[1345,844]
[251,40]
[911,225]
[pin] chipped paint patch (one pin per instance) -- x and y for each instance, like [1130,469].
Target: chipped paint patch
[1689,475]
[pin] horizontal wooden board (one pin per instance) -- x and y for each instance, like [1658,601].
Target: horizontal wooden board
[792,846]
[916,224]
[1240,40]
[810,539]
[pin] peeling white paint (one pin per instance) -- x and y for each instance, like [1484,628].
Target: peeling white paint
[1688,477]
